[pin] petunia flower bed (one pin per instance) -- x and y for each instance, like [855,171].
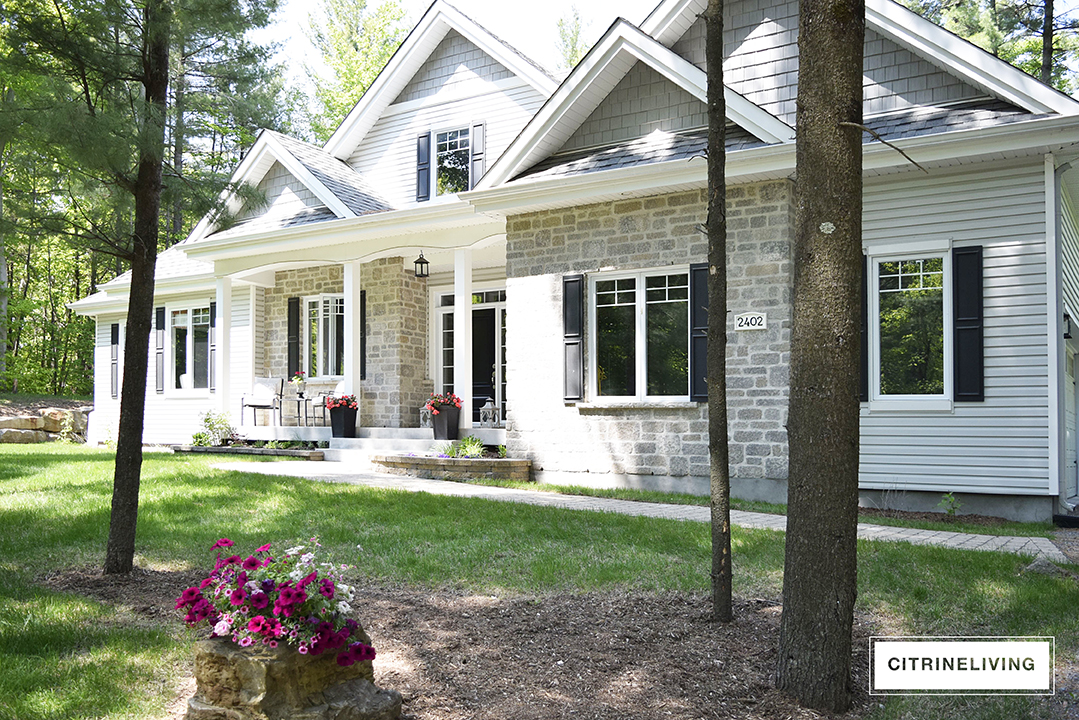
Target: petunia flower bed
[269,600]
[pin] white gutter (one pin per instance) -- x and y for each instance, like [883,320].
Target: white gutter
[1054,340]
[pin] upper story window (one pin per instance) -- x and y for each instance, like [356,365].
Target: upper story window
[190,343]
[324,336]
[452,162]
[640,341]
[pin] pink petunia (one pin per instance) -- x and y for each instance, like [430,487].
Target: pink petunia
[264,548]
[238,596]
[222,543]
[251,563]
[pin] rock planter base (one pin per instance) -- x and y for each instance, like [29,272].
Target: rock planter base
[436,468]
[237,683]
[235,450]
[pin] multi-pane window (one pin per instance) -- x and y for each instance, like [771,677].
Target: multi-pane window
[191,348]
[451,161]
[324,338]
[641,330]
[910,326]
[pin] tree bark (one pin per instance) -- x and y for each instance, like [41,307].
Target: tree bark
[1046,75]
[820,571]
[120,551]
[717,318]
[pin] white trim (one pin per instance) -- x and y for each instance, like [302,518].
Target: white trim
[439,19]
[448,127]
[305,343]
[455,93]
[301,173]
[595,76]
[1054,333]
[941,402]
[640,304]
[668,21]
[964,59]
[170,389]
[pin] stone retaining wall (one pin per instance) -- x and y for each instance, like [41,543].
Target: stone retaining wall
[48,425]
[436,468]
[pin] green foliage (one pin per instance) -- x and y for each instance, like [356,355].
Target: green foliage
[202,439]
[469,446]
[501,451]
[949,503]
[570,43]
[355,44]
[216,429]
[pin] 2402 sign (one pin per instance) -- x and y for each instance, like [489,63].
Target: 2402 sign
[751,321]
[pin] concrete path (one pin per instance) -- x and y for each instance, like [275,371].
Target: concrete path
[339,472]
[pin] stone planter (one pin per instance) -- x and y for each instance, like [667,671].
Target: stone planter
[259,683]
[343,422]
[447,423]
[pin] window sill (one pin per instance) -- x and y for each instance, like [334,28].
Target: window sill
[914,405]
[594,407]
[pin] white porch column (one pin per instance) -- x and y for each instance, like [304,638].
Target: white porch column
[223,343]
[353,330]
[462,334]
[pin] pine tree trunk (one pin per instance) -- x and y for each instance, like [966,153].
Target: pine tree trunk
[1046,75]
[120,551]
[820,572]
[717,318]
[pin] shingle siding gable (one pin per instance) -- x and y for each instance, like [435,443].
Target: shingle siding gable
[455,60]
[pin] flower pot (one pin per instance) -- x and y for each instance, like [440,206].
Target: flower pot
[343,422]
[447,422]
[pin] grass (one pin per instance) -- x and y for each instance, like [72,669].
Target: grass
[953,524]
[54,508]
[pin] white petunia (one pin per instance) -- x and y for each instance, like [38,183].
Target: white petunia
[222,628]
[293,551]
[343,608]
[307,558]
[297,574]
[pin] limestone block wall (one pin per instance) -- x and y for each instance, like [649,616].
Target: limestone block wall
[666,441]
[396,383]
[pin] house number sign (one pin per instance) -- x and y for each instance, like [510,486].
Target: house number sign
[751,321]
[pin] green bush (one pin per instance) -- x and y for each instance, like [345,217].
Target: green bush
[202,439]
[470,446]
[216,429]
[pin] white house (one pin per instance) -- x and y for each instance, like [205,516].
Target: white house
[560,222]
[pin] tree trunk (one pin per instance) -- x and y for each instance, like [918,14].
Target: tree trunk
[5,286]
[120,551]
[820,572]
[1046,75]
[717,318]
[178,130]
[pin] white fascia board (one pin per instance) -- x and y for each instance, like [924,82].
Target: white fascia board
[962,58]
[301,173]
[595,76]
[116,298]
[252,165]
[311,237]
[671,18]
[439,19]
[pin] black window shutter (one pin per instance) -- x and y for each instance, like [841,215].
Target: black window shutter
[213,347]
[423,167]
[863,380]
[293,335]
[968,323]
[573,336]
[698,332]
[114,369]
[363,334]
[476,143]
[159,350]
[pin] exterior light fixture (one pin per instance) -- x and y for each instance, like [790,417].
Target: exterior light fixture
[1067,326]
[421,267]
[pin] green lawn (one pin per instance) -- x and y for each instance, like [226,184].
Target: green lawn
[54,504]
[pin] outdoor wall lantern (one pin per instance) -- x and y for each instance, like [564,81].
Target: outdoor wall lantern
[1067,326]
[421,267]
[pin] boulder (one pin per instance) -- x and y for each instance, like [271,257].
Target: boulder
[53,419]
[262,683]
[23,436]
[23,422]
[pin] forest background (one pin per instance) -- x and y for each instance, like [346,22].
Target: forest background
[229,81]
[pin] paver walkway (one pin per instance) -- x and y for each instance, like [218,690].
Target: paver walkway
[339,472]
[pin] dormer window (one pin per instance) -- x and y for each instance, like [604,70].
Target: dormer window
[455,163]
[451,162]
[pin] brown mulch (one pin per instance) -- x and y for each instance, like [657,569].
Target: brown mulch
[19,406]
[867,514]
[455,655]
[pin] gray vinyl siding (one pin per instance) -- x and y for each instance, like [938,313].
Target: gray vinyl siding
[1000,445]
[284,194]
[455,60]
[1069,242]
[762,63]
[643,101]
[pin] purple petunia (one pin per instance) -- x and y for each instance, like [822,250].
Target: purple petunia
[222,543]
[238,596]
[251,563]
[259,600]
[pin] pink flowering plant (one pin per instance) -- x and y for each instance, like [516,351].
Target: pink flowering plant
[441,399]
[342,401]
[268,600]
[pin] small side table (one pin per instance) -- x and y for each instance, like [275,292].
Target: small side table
[303,410]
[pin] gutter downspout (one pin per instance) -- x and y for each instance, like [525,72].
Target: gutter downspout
[1054,308]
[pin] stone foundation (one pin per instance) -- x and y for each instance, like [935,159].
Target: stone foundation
[277,684]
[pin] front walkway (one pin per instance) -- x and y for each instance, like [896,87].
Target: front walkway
[335,472]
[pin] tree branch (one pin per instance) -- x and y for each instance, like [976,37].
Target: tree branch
[877,136]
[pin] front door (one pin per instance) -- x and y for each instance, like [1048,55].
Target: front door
[488,349]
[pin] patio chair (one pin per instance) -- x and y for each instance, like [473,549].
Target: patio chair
[265,395]
[319,403]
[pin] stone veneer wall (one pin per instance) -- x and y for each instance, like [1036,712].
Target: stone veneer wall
[646,444]
[396,384]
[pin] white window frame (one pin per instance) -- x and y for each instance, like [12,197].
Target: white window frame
[170,348]
[305,359]
[460,127]
[641,348]
[897,253]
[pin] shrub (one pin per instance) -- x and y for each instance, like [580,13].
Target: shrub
[216,429]
[470,446]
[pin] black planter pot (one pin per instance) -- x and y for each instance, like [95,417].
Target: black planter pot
[447,422]
[343,422]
